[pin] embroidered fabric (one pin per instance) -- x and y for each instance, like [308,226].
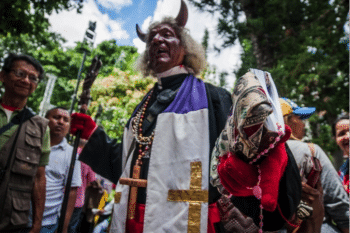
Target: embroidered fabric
[255,127]
[255,124]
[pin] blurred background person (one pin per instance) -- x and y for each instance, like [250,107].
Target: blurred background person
[87,176]
[93,194]
[340,129]
[105,214]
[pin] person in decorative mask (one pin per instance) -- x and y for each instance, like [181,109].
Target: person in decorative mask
[162,167]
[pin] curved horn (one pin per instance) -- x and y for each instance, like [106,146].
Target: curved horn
[140,34]
[182,17]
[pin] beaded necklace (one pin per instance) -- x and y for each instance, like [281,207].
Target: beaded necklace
[271,146]
[144,147]
[258,194]
[144,142]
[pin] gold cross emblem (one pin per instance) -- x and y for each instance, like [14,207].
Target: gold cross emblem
[117,197]
[195,196]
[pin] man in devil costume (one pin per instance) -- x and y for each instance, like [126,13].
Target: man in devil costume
[162,167]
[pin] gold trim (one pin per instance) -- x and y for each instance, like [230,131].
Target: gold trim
[196,176]
[117,197]
[188,195]
[194,196]
[194,218]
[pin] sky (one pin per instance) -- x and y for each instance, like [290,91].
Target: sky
[116,19]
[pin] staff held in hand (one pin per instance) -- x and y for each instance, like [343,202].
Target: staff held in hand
[84,102]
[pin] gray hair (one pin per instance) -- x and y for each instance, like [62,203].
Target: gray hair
[194,59]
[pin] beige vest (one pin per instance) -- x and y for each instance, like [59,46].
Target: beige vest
[17,183]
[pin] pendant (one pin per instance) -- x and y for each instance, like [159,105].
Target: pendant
[147,154]
[257,192]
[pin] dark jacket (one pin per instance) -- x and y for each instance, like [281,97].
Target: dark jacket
[17,183]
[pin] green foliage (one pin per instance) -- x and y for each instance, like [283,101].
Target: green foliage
[24,29]
[247,57]
[119,94]
[25,43]
[222,79]
[205,41]
[29,17]
[322,135]
[113,55]
[117,88]
[65,64]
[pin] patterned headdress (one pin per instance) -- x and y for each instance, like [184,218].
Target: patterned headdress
[250,158]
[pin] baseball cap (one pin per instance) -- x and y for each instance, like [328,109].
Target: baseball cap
[289,107]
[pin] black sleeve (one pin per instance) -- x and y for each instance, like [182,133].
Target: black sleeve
[103,155]
[219,105]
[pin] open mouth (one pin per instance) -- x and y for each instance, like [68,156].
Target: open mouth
[162,50]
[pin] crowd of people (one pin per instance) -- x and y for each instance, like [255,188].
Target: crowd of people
[194,157]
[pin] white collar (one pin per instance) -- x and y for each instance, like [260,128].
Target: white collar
[62,145]
[173,71]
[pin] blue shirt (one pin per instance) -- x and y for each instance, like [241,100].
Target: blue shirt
[56,178]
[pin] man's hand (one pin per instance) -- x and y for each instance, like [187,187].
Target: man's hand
[314,198]
[70,208]
[96,211]
[38,199]
[84,123]
[35,229]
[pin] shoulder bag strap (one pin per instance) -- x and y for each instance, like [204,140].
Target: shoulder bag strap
[25,114]
[312,149]
[10,157]
[20,118]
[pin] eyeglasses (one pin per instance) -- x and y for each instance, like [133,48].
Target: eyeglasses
[22,74]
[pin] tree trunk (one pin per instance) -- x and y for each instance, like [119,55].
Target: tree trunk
[262,53]
[262,49]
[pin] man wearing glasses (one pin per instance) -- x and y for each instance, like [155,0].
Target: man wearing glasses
[24,146]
